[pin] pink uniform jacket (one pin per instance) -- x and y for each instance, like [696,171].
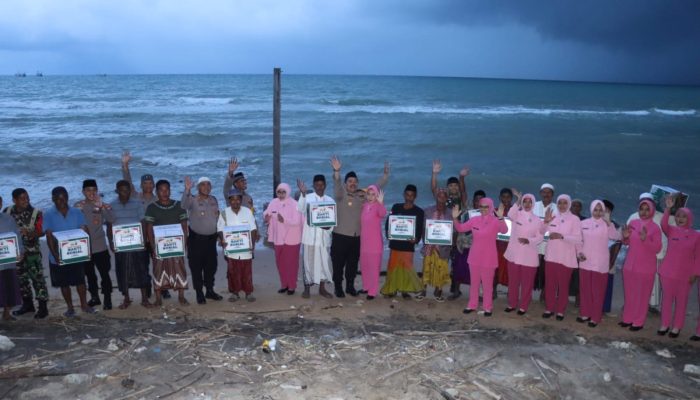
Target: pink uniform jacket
[596,234]
[526,225]
[683,249]
[641,256]
[289,231]
[484,230]
[563,251]
[371,226]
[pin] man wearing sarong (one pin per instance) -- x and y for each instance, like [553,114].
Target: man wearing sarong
[131,265]
[316,241]
[95,212]
[239,272]
[30,269]
[400,274]
[9,282]
[203,211]
[168,273]
[345,246]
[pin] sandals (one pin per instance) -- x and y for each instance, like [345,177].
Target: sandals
[125,304]
[146,304]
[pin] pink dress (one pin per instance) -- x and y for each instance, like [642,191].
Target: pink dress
[371,245]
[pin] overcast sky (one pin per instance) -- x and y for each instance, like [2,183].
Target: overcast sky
[650,41]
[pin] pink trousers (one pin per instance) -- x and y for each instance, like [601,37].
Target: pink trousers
[287,259]
[370,264]
[592,288]
[674,292]
[637,293]
[481,276]
[697,328]
[521,280]
[556,287]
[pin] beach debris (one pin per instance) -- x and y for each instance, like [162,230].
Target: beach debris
[292,387]
[6,343]
[581,340]
[665,353]
[140,349]
[692,369]
[90,341]
[128,383]
[607,377]
[76,379]
[452,392]
[112,346]
[620,345]
[269,346]
[101,375]
[449,359]
[519,375]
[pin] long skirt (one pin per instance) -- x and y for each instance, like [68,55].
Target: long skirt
[317,264]
[132,270]
[170,273]
[460,267]
[400,275]
[436,271]
[10,295]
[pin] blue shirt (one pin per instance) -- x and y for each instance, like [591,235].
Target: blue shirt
[130,213]
[54,221]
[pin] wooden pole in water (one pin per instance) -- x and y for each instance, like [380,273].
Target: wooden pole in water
[276,142]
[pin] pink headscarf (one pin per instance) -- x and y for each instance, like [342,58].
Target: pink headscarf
[373,188]
[532,199]
[285,207]
[485,201]
[594,203]
[689,216]
[652,209]
[564,197]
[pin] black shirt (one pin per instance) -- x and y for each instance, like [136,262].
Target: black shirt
[403,245]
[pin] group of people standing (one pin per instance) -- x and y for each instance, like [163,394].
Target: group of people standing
[548,244]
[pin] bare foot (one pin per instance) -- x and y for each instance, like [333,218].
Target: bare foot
[158,302]
[183,301]
[125,304]
[147,304]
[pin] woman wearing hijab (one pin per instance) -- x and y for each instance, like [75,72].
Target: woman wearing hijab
[483,257]
[371,245]
[560,256]
[284,230]
[594,261]
[521,253]
[677,268]
[643,237]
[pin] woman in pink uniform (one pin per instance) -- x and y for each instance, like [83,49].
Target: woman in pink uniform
[483,257]
[560,256]
[371,244]
[284,230]
[521,253]
[677,268]
[594,260]
[644,239]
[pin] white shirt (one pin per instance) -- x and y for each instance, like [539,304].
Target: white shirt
[539,210]
[229,218]
[311,235]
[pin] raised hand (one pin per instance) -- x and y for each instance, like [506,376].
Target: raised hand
[301,186]
[643,234]
[188,184]
[548,215]
[437,166]
[501,210]
[626,232]
[464,171]
[670,200]
[518,195]
[126,157]
[335,163]
[455,211]
[232,165]
[380,196]
[387,168]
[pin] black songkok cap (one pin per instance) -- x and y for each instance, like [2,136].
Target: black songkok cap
[89,183]
[349,175]
[319,178]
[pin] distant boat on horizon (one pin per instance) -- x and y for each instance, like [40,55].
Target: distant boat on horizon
[39,73]
[20,74]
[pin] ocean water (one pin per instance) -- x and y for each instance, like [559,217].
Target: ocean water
[589,140]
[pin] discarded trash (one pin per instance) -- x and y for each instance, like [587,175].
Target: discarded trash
[293,387]
[156,349]
[140,349]
[581,340]
[6,343]
[449,359]
[259,368]
[101,375]
[519,375]
[691,369]
[452,392]
[165,315]
[90,341]
[112,345]
[621,345]
[269,345]
[76,379]
[359,302]
[607,377]
[665,353]
[293,307]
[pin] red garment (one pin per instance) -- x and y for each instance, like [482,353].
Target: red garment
[239,275]
[592,287]
[556,286]
[522,280]
[287,259]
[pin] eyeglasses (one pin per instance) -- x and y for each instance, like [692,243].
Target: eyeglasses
[484,207]
[281,191]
